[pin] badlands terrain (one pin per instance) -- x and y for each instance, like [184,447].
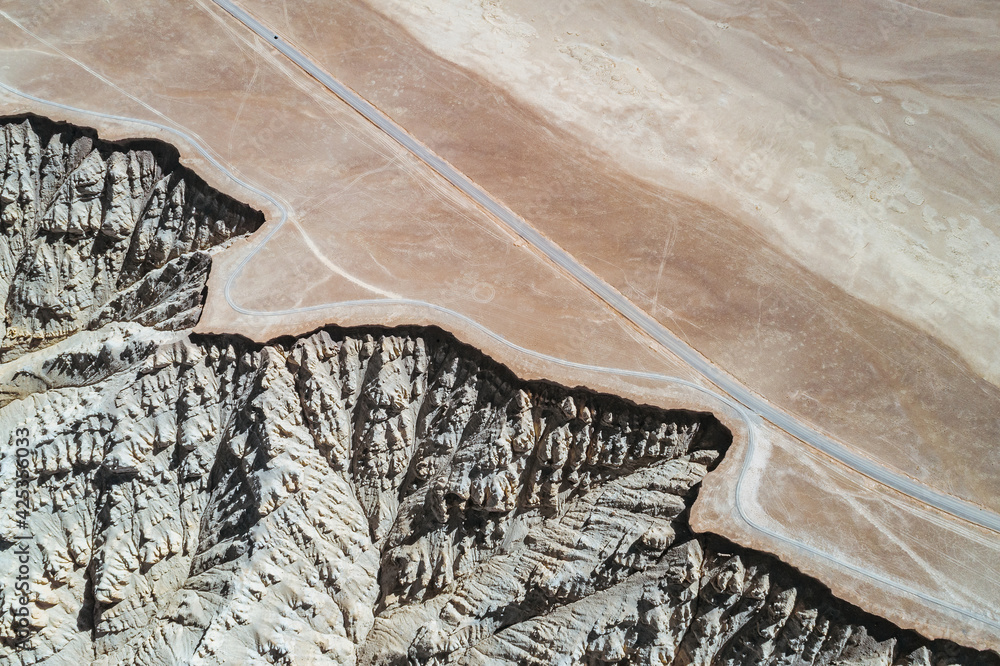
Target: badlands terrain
[499,332]
[356,496]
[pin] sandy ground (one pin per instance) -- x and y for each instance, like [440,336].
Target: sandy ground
[861,137]
[920,549]
[367,222]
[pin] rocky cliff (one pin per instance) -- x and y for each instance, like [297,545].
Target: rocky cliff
[95,232]
[369,496]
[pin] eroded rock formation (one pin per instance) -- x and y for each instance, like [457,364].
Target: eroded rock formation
[385,497]
[95,232]
[355,496]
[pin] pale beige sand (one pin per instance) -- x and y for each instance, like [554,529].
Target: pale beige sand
[861,137]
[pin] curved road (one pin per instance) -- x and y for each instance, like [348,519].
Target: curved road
[616,301]
[746,416]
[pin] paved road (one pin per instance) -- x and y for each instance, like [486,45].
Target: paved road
[623,306]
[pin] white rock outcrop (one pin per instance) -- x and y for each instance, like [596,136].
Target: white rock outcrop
[93,232]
